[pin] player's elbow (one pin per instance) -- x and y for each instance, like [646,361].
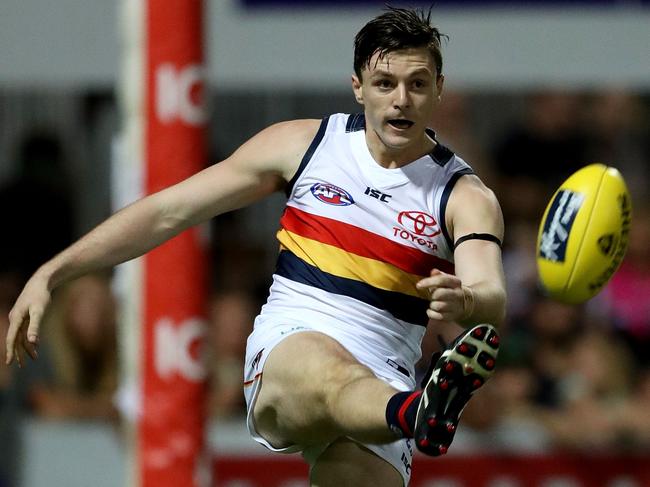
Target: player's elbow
[170,218]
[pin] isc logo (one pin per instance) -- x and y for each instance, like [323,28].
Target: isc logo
[173,348]
[375,193]
[178,94]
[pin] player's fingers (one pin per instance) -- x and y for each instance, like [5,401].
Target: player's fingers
[28,347]
[24,344]
[435,280]
[9,350]
[443,308]
[447,280]
[442,313]
[440,279]
[443,294]
[35,316]
[18,355]
[426,283]
[434,315]
[15,321]
[9,355]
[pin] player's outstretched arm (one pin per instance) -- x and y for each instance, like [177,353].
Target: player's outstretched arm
[477,292]
[259,167]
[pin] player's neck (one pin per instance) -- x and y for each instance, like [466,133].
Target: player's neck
[396,157]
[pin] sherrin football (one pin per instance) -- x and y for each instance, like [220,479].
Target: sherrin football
[583,235]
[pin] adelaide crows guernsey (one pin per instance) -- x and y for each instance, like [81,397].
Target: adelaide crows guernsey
[356,237]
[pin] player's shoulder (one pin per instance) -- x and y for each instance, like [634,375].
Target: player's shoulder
[311,128]
[333,123]
[280,147]
[472,183]
[471,189]
[282,143]
[471,196]
[300,133]
[288,131]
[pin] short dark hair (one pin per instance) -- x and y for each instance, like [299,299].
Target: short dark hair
[396,29]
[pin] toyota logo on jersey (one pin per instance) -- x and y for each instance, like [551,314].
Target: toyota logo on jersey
[332,195]
[418,222]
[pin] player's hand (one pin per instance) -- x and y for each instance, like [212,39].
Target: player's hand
[25,319]
[450,300]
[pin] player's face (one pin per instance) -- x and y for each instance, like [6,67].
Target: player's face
[399,93]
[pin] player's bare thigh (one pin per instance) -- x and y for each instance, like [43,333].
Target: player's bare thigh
[300,376]
[346,463]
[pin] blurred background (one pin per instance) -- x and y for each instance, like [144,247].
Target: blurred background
[534,90]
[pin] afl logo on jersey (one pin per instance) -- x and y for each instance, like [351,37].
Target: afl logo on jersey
[332,195]
[418,222]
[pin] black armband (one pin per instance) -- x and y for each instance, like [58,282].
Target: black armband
[478,236]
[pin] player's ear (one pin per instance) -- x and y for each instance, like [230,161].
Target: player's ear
[439,85]
[357,89]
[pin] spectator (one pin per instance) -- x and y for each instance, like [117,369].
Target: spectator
[533,158]
[9,402]
[618,136]
[238,262]
[542,340]
[231,320]
[454,130]
[520,266]
[504,417]
[36,206]
[592,393]
[83,349]
[17,389]
[633,416]
[624,301]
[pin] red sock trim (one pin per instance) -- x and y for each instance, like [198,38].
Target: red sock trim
[402,411]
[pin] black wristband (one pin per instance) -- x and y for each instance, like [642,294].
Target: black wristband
[478,236]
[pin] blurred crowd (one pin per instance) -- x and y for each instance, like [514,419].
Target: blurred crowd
[575,378]
[570,377]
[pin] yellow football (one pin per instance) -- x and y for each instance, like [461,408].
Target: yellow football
[583,235]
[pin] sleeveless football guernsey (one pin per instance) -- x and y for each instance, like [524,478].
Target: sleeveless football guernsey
[356,237]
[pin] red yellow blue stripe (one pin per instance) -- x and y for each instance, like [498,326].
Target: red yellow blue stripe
[402,306]
[338,262]
[344,259]
[361,242]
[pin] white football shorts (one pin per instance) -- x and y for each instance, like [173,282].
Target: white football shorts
[268,333]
